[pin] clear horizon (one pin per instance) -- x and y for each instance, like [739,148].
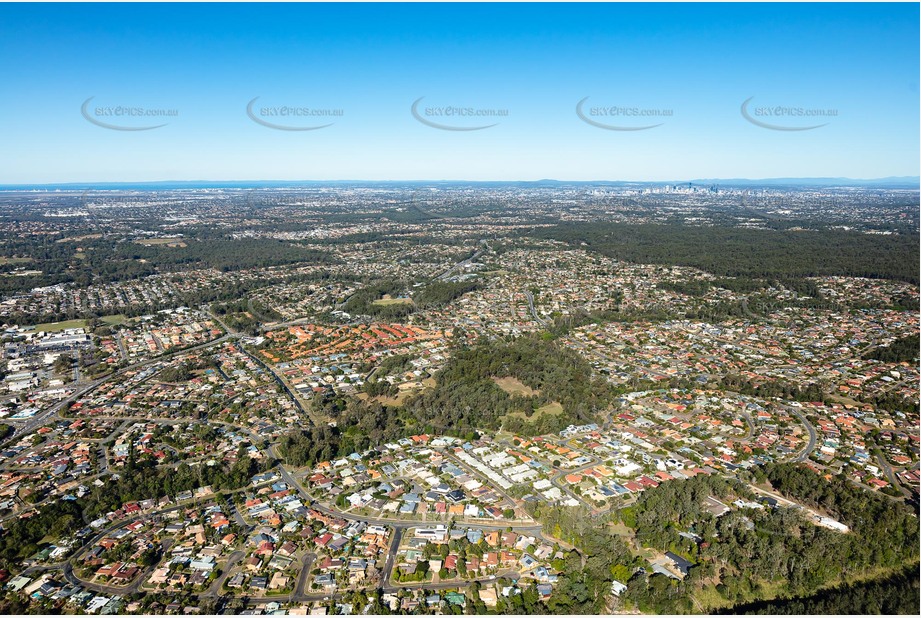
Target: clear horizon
[647,93]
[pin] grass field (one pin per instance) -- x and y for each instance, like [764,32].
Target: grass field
[9,260]
[56,327]
[169,242]
[389,300]
[514,386]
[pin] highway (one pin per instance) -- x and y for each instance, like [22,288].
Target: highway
[470,260]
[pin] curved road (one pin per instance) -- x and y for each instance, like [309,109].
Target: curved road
[804,455]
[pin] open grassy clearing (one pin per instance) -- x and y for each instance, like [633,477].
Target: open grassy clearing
[56,327]
[387,300]
[168,242]
[79,238]
[554,408]
[514,386]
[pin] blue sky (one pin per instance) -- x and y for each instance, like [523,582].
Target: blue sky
[700,62]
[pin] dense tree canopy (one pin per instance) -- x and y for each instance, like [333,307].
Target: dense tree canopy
[897,593]
[466,394]
[904,349]
[750,253]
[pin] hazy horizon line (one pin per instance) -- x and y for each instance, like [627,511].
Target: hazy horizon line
[892,179]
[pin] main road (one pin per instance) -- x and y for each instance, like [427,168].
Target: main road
[528,295]
[41,418]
